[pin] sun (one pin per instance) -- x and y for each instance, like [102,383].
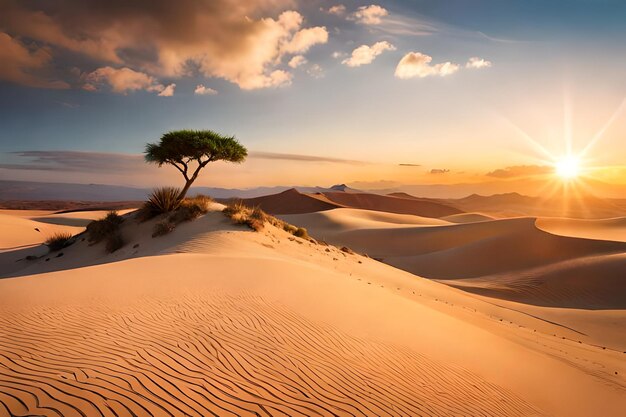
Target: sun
[567,167]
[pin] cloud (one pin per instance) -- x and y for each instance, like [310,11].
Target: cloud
[75,161]
[22,64]
[417,64]
[338,54]
[520,171]
[477,63]
[124,80]
[301,158]
[439,171]
[409,165]
[296,61]
[304,39]
[369,15]
[315,71]
[204,91]
[119,163]
[242,42]
[365,54]
[337,10]
[168,91]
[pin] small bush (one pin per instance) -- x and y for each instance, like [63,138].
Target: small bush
[162,200]
[190,209]
[289,228]
[163,228]
[114,242]
[58,241]
[99,230]
[301,232]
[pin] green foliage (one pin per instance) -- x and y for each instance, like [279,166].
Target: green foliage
[99,230]
[162,228]
[58,241]
[184,149]
[114,242]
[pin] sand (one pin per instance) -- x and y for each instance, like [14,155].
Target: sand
[214,319]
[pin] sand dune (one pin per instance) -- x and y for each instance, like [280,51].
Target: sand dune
[603,229]
[467,218]
[594,282]
[291,202]
[392,204]
[216,320]
[19,231]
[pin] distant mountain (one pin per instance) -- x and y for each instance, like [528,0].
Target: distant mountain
[42,191]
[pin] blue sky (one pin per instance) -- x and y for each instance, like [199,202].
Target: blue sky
[538,55]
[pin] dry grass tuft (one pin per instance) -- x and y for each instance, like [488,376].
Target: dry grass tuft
[191,209]
[255,218]
[163,228]
[114,242]
[99,230]
[58,241]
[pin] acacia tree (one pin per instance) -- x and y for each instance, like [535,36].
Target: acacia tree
[186,149]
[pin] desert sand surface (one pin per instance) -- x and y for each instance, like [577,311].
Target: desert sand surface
[215,319]
[602,229]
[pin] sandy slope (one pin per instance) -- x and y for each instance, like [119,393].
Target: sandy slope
[603,229]
[17,231]
[215,320]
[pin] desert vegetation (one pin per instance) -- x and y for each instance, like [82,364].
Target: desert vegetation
[189,151]
[255,219]
[107,229]
[58,241]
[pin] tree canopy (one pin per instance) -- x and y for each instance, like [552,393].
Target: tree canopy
[184,148]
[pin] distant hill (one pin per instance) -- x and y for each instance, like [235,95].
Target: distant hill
[294,202]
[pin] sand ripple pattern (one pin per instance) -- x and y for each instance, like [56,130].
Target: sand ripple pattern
[220,355]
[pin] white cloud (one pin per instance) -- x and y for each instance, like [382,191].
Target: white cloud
[369,15]
[337,10]
[305,38]
[365,54]
[316,71]
[477,63]
[337,54]
[296,61]
[168,91]
[417,64]
[201,90]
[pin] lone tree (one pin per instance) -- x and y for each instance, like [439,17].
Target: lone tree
[185,149]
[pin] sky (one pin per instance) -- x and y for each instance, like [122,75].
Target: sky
[390,92]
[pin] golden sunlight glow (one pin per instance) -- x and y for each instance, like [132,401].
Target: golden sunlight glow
[567,167]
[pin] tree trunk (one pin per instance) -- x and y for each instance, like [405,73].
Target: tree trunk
[183,192]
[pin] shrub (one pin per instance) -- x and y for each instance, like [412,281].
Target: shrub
[190,209]
[59,241]
[301,232]
[99,230]
[163,228]
[347,250]
[162,200]
[114,242]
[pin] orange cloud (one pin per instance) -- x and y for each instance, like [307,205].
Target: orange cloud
[124,80]
[229,39]
[21,64]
